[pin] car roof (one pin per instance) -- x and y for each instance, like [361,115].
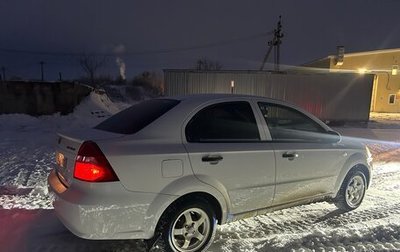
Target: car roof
[216,96]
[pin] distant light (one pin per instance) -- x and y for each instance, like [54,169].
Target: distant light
[395,69]
[362,70]
[232,83]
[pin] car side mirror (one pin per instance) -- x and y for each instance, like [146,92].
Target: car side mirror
[333,136]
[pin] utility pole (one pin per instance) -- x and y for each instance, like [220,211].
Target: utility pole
[274,44]
[41,69]
[3,70]
[60,76]
[279,35]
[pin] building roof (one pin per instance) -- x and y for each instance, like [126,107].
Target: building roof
[380,51]
[355,54]
[188,70]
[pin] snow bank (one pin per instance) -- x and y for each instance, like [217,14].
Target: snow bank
[91,111]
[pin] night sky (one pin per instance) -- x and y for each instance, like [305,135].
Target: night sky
[158,34]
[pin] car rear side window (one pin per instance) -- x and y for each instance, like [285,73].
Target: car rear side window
[287,124]
[223,122]
[138,116]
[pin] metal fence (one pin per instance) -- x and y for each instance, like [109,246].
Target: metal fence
[329,96]
[41,98]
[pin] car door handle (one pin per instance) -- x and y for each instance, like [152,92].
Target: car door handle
[213,159]
[290,156]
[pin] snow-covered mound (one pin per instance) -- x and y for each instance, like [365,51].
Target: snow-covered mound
[96,101]
[91,111]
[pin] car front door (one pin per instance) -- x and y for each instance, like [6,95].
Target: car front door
[307,156]
[224,145]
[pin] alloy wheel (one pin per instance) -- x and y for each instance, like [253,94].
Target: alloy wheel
[355,191]
[190,230]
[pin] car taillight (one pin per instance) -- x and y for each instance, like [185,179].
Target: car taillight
[91,165]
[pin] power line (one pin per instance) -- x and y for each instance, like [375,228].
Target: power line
[144,52]
[215,44]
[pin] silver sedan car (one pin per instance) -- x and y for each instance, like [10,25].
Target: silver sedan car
[168,170]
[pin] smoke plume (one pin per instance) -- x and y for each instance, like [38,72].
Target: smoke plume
[119,50]
[121,64]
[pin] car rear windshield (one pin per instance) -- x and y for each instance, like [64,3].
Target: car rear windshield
[138,116]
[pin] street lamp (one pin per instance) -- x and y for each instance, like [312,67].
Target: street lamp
[362,70]
[395,69]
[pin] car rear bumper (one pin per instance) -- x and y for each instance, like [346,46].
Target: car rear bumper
[104,210]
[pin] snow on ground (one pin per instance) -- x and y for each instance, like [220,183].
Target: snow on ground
[27,150]
[28,222]
[384,120]
[321,227]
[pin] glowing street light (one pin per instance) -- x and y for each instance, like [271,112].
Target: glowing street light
[395,69]
[362,70]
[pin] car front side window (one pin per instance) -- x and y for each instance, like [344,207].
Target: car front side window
[287,124]
[223,122]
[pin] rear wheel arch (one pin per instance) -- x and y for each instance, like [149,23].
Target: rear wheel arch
[182,189]
[190,186]
[202,196]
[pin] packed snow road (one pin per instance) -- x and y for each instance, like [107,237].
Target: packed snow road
[28,223]
[372,227]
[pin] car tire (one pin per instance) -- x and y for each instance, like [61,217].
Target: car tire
[187,227]
[352,191]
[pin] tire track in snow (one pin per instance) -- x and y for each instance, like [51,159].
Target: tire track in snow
[316,227]
[381,238]
[357,216]
[331,234]
[273,223]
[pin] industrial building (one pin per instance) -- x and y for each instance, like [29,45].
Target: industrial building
[383,64]
[332,97]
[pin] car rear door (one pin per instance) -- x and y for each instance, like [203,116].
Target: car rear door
[307,156]
[224,145]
